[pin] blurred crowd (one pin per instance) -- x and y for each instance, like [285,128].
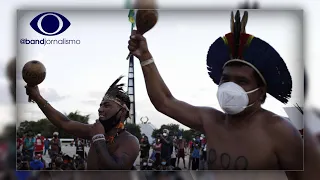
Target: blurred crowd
[32,149]
[169,148]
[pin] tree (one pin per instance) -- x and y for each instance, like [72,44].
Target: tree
[190,134]
[46,128]
[175,128]
[133,129]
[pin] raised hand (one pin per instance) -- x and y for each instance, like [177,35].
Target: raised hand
[33,92]
[138,47]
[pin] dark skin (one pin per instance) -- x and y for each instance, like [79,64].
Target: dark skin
[254,139]
[312,151]
[119,155]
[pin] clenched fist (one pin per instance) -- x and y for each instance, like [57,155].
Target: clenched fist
[138,47]
[33,92]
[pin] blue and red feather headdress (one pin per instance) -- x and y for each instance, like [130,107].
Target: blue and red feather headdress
[238,46]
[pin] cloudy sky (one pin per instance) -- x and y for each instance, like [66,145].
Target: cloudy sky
[79,75]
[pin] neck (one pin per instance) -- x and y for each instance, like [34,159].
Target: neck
[112,132]
[242,117]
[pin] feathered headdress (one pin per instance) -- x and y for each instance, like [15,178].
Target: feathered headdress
[238,46]
[117,94]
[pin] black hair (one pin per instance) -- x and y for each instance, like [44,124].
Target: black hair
[256,76]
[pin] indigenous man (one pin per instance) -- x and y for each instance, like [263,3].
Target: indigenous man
[113,147]
[245,136]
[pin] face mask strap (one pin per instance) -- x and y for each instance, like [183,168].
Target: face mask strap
[252,91]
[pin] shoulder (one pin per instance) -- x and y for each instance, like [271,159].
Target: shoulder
[130,140]
[280,128]
[209,115]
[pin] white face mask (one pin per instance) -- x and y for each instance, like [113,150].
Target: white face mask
[232,98]
[164,134]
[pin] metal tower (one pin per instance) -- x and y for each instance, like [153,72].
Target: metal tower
[131,91]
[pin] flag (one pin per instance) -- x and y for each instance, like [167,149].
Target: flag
[131,17]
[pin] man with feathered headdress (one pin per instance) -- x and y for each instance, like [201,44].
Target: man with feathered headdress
[245,136]
[113,148]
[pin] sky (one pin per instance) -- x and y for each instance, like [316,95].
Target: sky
[79,75]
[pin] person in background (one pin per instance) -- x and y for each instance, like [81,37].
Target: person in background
[174,156]
[157,150]
[55,143]
[39,145]
[58,162]
[164,166]
[80,148]
[203,152]
[197,139]
[181,143]
[144,164]
[150,165]
[28,145]
[19,143]
[166,146]
[23,163]
[46,146]
[144,147]
[196,156]
[191,146]
[172,137]
[36,163]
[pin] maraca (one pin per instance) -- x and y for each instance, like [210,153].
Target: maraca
[145,20]
[33,73]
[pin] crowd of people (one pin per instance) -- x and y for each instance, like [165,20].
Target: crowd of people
[32,149]
[169,148]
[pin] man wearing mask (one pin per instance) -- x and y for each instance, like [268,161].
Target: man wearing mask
[245,136]
[55,144]
[113,148]
[166,145]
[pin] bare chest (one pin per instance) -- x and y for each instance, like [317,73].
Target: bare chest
[93,160]
[247,150]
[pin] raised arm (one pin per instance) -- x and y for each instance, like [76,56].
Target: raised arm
[158,92]
[58,119]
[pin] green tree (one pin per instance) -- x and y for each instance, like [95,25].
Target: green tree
[134,129]
[190,134]
[46,128]
[175,128]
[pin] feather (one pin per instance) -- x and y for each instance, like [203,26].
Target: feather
[236,34]
[252,50]
[115,88]
[298,107]
[116,91]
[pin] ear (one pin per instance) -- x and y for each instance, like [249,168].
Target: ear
[263,91]
[244,21]
[232,22]
[123,114]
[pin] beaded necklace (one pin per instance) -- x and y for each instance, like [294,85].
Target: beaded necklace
[120,129]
